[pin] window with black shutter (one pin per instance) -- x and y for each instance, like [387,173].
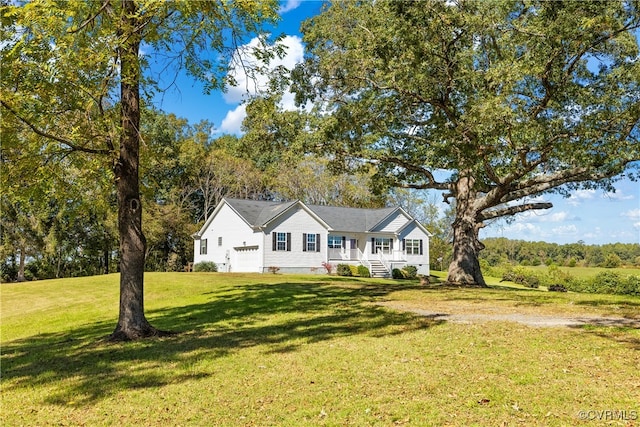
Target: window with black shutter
[280,241]
[310,242]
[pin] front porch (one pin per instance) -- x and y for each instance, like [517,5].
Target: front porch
[376,253]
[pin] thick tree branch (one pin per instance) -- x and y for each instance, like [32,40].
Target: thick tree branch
[73,146]
[631,26]
[505,185]
[512,210]
[431,181]
[543,183]
[92,18]
[547,85]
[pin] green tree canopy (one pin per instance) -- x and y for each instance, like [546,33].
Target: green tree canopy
[507,99]
[73,73]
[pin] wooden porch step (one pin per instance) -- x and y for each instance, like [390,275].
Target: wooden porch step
[379,270]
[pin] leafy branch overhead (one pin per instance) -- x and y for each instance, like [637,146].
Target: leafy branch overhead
[508,100]
[76,74]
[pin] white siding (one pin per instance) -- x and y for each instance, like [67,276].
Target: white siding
[421,261]
[234,232]
[296,222]
[236,247]
[393,223]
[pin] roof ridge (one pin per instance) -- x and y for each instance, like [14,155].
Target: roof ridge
[260,212]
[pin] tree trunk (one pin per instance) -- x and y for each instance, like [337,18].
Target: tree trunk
[21,277]
[59,263]
[132,323]
[465,268]
[106,256]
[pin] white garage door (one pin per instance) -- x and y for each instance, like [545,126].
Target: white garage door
[245,259]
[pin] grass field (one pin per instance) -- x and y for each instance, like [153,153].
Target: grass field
[279,350]
[583,272]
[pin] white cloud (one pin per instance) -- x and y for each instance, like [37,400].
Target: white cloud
[544,216]
[618,196]
[558,217]
[248,86]
[288,6]
[251,85]
[596,233]
[632,214]
[524,228]
[232,122]
[580,196]
[565,230]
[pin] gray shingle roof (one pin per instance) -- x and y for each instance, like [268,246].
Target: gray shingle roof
[351,219]
[258,213]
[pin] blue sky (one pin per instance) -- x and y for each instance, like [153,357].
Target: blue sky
[592,216]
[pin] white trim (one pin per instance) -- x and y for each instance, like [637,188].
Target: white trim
[417,223]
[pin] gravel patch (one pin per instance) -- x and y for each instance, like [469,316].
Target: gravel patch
[541,321]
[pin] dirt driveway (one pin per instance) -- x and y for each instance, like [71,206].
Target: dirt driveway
[488,313]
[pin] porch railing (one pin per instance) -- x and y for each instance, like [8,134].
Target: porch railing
[384,260]
[335,253]
[362,259]
[387,259]
[345,254]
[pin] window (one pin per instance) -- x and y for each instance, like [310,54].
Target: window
[381,245]
[281,241]
[335,242]
[310,242]
[413,246]
[203,246]
[220,241]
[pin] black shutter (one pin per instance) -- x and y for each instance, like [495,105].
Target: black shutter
[304,242]
[390,244]
[273,241]
[420,246]
[317,243]
[373,245]
[288,242]
[344,242]
[404,244]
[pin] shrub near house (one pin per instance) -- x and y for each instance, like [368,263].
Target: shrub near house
[205,266]
[605,282]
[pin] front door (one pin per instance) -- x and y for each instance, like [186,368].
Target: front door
[353,249]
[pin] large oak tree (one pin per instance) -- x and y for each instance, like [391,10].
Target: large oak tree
[513,99]
[73,73]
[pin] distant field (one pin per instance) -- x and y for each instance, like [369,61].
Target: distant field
[582,272]
[256,350]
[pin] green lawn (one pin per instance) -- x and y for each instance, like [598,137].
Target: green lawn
[258,350]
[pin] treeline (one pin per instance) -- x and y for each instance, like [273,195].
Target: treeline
[519,252]
[59,214]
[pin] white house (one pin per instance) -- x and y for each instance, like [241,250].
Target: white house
[252,236]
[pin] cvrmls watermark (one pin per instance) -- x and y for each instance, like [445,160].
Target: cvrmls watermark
[609,415]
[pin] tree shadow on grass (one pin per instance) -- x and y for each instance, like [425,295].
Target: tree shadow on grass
[619,327]
[496,293]
[597,302]
[619,332]
[276,318]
